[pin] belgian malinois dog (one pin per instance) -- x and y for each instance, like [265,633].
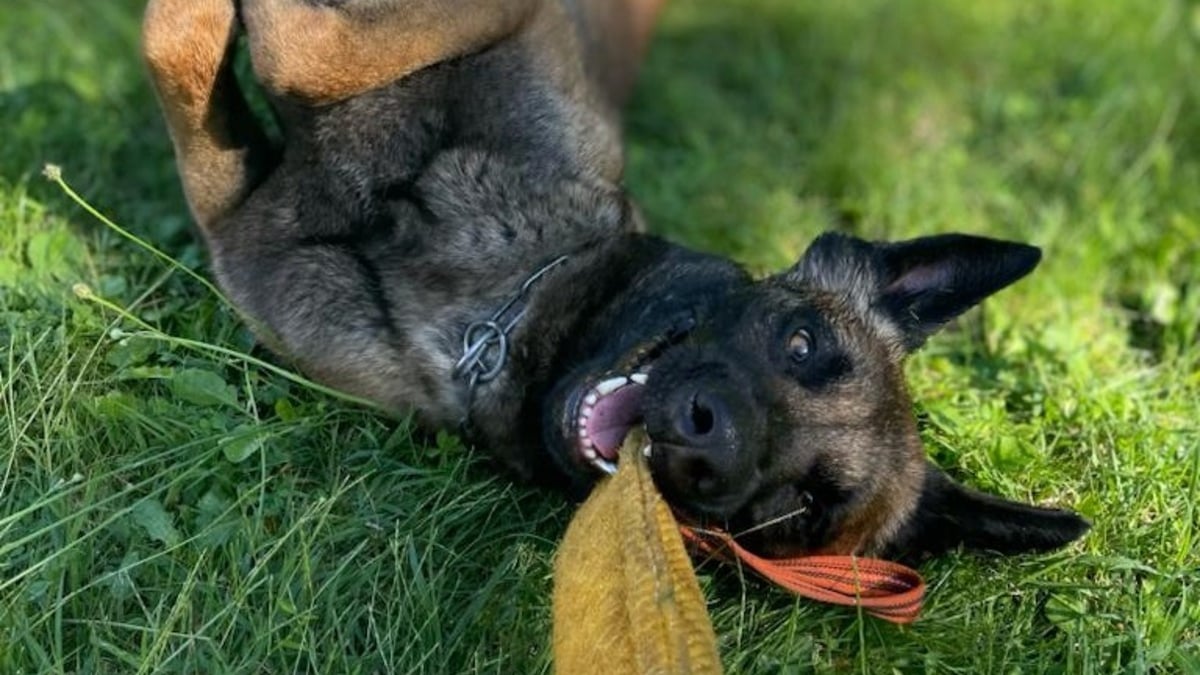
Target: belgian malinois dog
[443,230]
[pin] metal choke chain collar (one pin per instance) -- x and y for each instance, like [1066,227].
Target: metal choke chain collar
[485,342]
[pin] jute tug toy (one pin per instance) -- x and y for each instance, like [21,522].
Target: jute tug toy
[626,599]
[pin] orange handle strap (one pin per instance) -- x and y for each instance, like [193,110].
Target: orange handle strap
[884,589]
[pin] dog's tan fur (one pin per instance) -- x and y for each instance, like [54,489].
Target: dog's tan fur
[214,146]
[357,46]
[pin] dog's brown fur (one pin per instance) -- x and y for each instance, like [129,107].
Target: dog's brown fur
[322,53]
[437,152]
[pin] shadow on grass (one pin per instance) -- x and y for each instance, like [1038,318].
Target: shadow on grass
[114,152]
[753,131]
[73,92]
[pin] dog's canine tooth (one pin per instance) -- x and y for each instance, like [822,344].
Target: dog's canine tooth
[648,450]
[639,378]
[604,465]
[610,385]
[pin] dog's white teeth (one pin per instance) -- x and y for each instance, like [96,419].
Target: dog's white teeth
[610,385]
[647,451]
[590,399]
[639,378]
[604,465]
[590,453]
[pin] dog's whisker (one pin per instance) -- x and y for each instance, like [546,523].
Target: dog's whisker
[774,521]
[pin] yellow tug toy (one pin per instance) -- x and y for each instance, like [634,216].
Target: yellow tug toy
[626,598]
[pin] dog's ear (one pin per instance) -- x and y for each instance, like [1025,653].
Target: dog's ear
[949,515]
[920,284]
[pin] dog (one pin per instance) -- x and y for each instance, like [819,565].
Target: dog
[443,230]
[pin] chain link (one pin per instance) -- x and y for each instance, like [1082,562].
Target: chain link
[485,342]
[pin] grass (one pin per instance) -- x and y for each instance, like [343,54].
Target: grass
[170,503]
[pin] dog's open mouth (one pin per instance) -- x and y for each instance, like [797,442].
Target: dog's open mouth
[605,416]
[603,411]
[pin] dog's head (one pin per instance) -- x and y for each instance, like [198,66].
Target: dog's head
[778,407]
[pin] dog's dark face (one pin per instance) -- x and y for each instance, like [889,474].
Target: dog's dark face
[778,408]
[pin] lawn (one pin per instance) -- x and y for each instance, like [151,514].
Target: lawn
[173,501]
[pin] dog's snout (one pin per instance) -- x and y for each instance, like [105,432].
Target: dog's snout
[694,475]
[698,459]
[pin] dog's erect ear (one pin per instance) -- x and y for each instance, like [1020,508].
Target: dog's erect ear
[949,515]
[918,284]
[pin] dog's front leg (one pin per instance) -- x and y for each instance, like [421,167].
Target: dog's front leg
[325,52]
[220,150]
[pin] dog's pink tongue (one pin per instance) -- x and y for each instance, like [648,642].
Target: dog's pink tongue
[612,417]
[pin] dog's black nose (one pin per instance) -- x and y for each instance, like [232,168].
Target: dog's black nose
[699,456]
[701,417]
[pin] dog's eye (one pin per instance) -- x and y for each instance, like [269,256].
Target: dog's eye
[800,345]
